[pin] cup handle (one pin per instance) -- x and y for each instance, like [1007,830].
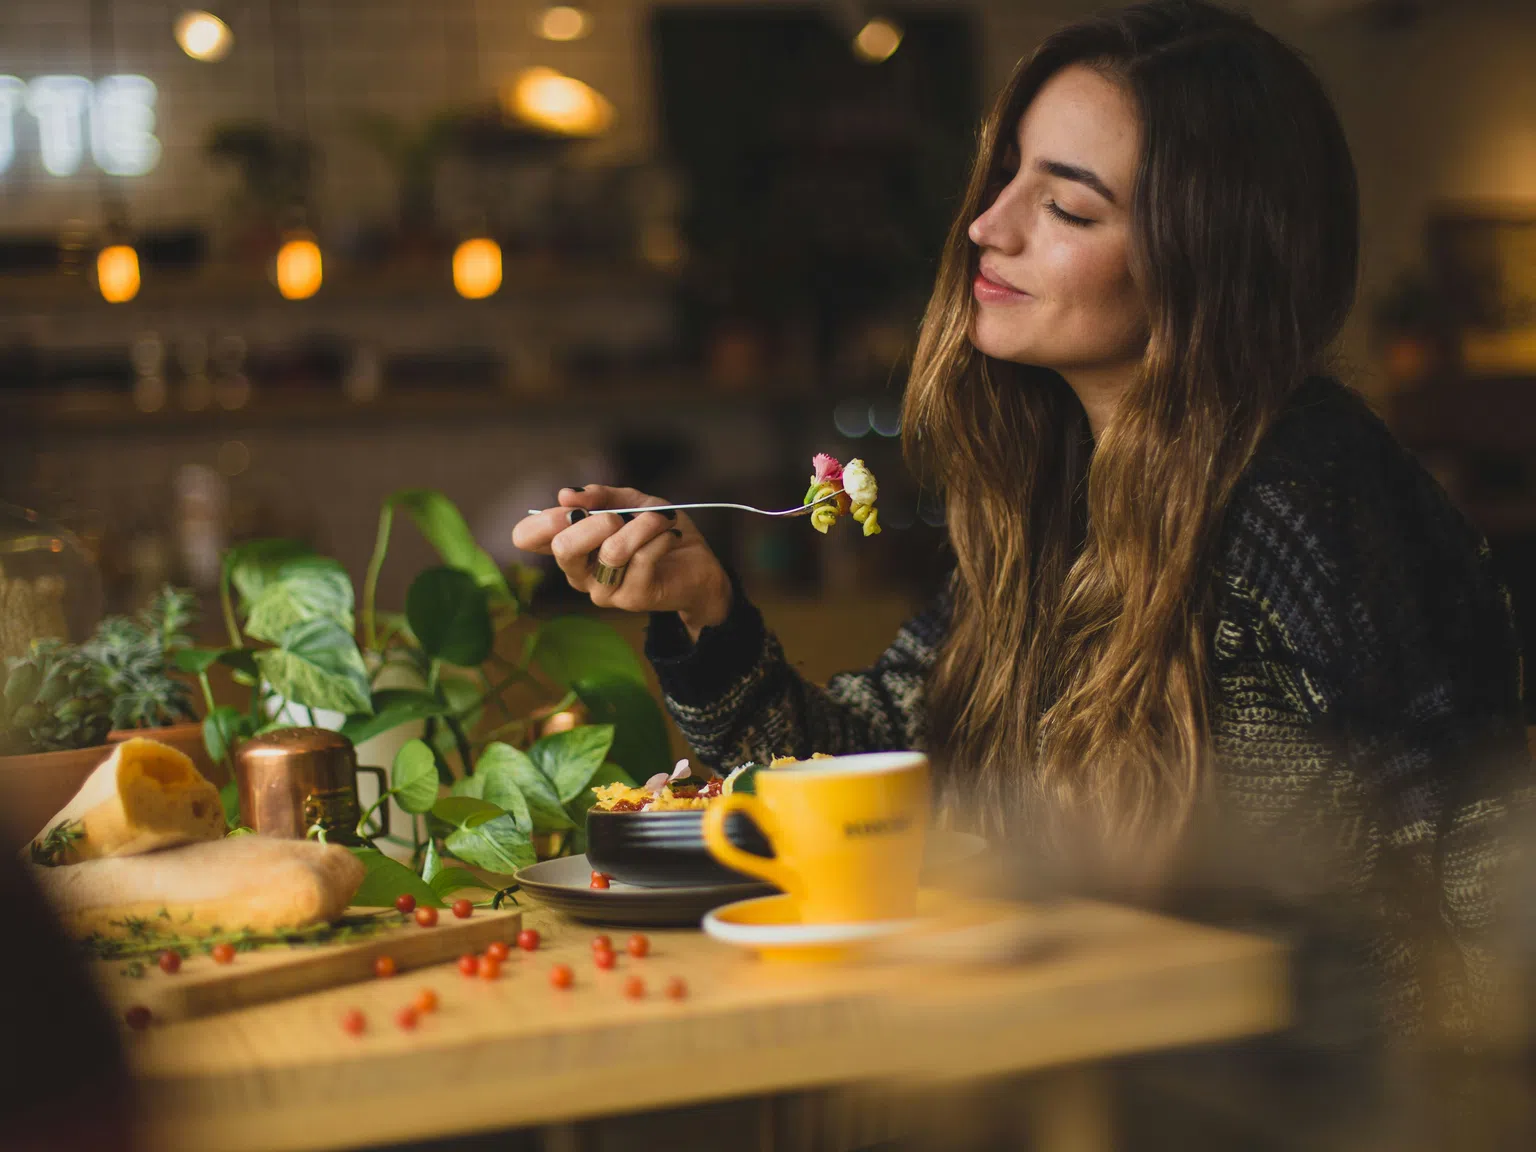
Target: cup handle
[383,809]
[728,854]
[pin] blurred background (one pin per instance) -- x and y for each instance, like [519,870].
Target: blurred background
[263,264]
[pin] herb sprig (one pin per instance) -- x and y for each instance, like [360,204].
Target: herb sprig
[146,937]
[53,849]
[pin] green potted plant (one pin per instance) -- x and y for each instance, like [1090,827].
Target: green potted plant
[134,658]
[54,718]
[464,679]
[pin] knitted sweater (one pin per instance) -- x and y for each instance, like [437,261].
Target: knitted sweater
[1365,701]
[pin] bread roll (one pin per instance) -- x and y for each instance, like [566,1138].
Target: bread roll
[240,882]
[145,796]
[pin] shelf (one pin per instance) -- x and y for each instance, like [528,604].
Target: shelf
[621,400]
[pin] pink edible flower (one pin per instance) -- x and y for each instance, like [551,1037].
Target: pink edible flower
[828,470]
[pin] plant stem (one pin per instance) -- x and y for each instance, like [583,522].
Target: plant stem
[227,605]
[507,727]
[202,678]
[362,821]
[462,740]
[310,712]
[371,580]
[494,693]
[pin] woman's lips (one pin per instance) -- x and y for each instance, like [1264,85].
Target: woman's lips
[992,292]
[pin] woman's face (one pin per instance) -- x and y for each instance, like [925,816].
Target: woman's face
[1054,287]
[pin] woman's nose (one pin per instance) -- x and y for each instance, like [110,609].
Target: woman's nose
[997,227]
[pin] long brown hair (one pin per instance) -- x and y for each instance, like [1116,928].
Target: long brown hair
[1074,677]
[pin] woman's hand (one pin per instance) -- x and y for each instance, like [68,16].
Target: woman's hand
[665,565]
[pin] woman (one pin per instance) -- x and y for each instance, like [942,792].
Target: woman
[1199,591]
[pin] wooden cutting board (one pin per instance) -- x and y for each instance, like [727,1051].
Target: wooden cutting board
[203,986]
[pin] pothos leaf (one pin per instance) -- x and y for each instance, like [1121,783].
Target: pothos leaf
[388,879]
[497,846]
[572,648]
[451,617]
[447,880]
[504,767]
[443,525]
[318,665]
[431,864]
[392,707]
[305,588]
[461,810]
[413,778]
[569,759]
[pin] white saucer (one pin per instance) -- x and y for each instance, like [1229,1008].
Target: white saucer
[771,927]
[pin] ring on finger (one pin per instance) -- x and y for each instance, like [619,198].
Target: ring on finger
[608,574]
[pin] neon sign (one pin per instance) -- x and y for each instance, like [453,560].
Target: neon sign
[114,118]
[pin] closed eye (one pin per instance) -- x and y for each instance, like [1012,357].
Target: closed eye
[1066,217]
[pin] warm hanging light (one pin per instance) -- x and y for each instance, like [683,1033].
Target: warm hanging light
[877,41]
[560,103]
[563,22]
[477,268]
[298,268]
[117,273]
[203,36]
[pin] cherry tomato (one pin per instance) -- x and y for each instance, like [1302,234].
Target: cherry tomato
[599,880]
[490,968]
[638,945]
[384,967]
[426,1001]
[426,917]
[602,944]
[634,988]
[528,940]
[469,963]
[561,976]
[676,989]
[406,903]
[170,962]
[224,952]
[463,909]
[406,1018]
[354,1022]
[596,875]
[498,949]
[604,959]
[137,1017]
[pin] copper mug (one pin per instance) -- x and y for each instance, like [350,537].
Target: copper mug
[294,778]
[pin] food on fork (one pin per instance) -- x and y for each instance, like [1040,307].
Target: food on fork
[854,486]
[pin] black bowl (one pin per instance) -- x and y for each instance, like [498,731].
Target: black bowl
[667,849]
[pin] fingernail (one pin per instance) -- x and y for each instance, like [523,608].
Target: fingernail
[678,532]
[577,487]
[575,514]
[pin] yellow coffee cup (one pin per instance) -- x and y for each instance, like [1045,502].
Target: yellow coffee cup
[847,834]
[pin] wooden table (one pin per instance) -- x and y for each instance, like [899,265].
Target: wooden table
[517,1053]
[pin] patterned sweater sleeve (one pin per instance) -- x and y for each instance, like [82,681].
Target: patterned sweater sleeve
[736,697]
[1397,645]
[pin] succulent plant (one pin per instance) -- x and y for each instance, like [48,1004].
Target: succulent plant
[132,656]
[53,699]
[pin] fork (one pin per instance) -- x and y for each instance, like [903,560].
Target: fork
[783,513]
